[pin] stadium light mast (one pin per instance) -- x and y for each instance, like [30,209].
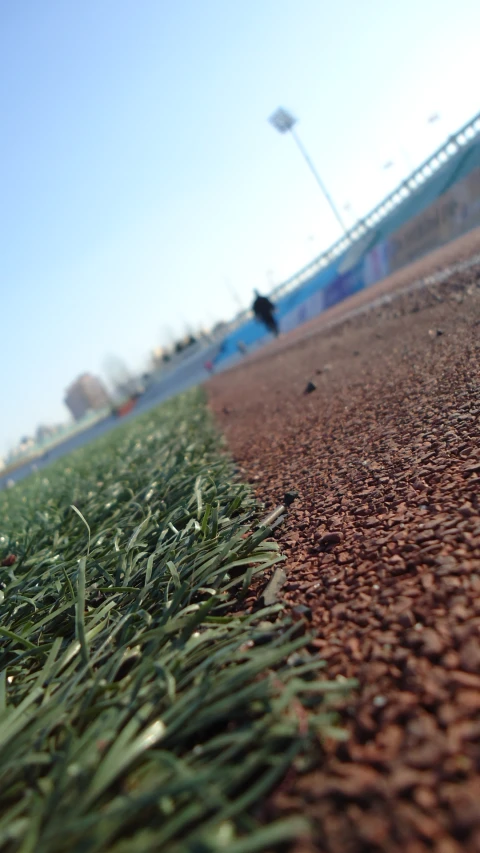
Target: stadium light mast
[284,122]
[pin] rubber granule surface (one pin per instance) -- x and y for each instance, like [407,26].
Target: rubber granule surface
[384,454]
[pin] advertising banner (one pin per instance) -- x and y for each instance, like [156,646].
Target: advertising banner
[454,213]
[376,264]
[309,308]
[343,286]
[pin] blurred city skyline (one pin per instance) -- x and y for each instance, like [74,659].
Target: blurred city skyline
[142,186]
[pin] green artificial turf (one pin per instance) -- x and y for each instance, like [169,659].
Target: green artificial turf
[138,711]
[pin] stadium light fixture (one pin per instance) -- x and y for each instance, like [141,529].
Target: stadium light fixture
[284,122]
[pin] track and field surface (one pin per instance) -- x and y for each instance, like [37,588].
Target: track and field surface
[385,455]
[138,712]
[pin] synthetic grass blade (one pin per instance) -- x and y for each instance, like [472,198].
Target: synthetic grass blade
[80,610]
[75,509]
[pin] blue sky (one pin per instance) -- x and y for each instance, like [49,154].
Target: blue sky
[142,186]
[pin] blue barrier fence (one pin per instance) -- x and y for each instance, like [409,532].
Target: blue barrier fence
[452,174]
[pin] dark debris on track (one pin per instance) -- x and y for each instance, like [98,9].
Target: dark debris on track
[385,454]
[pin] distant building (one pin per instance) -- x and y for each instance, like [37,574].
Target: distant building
[44,432]
[86,394]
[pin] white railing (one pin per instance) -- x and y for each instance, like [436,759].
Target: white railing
[360,230]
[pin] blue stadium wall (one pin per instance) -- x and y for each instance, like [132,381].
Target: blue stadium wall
[444,207]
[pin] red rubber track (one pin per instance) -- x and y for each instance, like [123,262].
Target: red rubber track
[385,452]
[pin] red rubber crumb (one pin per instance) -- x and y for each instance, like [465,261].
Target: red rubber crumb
[384,453]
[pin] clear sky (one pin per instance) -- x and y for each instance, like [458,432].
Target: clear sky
[142,187]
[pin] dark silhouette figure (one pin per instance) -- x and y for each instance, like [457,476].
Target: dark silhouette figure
[263,310]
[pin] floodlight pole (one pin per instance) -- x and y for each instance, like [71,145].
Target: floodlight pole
[284,122]
[319,181]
